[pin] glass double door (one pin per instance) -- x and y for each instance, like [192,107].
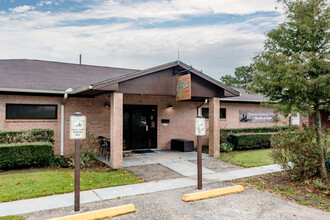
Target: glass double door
[140,127]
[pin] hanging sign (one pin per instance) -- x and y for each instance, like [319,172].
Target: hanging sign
[183,87]
[77,127]
[200,126]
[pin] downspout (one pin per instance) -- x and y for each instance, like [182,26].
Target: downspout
[68,91]
[199,110]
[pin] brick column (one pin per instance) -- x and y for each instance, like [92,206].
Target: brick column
[214,127]
[116,130]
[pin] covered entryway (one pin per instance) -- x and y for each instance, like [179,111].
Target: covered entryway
[151,107]
[140,127]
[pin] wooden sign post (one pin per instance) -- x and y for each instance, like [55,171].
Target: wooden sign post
[200,131]
[77,132]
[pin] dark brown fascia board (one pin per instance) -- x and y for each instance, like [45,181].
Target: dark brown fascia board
[134,75]
[42,91]
[114,82]
[240,100]
[107,86]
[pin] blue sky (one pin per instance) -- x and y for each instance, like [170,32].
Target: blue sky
[215,36]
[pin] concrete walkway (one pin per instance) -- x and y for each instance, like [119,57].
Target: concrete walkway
[65,200]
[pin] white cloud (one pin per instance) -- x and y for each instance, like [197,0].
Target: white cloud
[21,9]
[214,48]
[42,3]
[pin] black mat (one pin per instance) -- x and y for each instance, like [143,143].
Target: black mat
[142,151]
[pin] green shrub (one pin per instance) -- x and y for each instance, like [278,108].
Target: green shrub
[250,141]
[223,135]
[297,151]
[262,141]
[319,184]
[226,147]
[327,164]
[88,151]
[26,155]
[60,161]
[253,130]
[87,158]
[34,135]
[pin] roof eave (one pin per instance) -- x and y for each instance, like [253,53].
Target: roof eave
[31,91]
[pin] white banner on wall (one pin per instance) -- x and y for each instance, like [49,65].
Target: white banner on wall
[256,117]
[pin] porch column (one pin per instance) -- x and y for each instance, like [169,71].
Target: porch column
[214,127]
[116,130]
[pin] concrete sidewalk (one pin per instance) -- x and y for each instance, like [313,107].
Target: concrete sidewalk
[65,200]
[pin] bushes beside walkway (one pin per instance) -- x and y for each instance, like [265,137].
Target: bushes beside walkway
[28,148]
[25,155]
[248,138]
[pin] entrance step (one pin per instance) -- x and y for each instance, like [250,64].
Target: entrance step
[185,168]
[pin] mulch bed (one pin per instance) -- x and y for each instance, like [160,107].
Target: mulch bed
[305,192]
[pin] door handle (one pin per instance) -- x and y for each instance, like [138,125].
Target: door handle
[146,127]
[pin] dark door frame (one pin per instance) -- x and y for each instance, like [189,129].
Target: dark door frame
[148,108]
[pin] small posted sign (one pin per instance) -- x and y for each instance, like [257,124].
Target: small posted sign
[77,127]
[200,126]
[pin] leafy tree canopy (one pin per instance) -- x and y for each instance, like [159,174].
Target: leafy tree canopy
[293,69]
[242,78]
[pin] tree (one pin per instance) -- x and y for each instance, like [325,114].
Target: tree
[243,76]
[293,68]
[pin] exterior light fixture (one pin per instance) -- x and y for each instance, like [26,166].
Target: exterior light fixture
[170,106]
[106,105]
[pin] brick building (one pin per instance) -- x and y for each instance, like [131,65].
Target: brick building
[136,109]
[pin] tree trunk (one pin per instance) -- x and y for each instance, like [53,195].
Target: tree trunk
[318,124]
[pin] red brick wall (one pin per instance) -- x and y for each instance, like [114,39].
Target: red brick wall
[181,116]
[98,117]
[232,119]
[17,125]
[116,130]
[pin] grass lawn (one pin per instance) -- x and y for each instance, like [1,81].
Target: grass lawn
[304,193]
[250,158]
[12,217]
[24,185]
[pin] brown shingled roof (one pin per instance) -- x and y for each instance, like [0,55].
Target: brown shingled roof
[245,97]
[36,76]
[56,76]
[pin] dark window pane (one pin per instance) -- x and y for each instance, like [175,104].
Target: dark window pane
[222,113]
[26,111]
[205,112]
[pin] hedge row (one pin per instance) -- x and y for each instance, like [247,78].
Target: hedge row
[250,141]
[34,135]
[254,130]
[26,155]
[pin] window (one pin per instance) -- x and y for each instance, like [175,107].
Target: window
[31,111]
[222,113]
[205,113]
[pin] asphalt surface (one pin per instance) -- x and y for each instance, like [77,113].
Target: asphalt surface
[250,204]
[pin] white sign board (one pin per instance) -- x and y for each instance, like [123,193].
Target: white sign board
[295,120]
[77,127]
[200,127]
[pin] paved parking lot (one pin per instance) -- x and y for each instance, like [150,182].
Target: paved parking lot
[251,204]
